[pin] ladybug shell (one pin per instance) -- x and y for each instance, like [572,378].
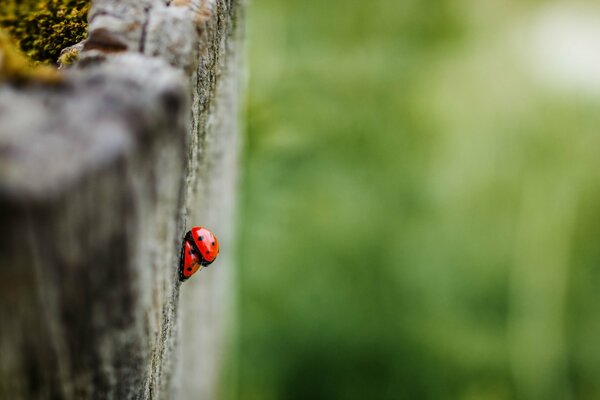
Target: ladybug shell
[189,261]
[206,243]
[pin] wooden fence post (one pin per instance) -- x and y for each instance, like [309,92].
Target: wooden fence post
[100,176]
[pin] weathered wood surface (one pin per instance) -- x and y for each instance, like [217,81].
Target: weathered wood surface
[99,179]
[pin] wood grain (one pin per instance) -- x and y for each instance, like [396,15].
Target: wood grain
[99,179]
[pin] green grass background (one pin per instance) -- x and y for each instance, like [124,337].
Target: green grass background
[420,213]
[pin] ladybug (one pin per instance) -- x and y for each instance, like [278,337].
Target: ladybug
[199,249]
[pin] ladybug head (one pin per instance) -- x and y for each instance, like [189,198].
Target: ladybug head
[207,244]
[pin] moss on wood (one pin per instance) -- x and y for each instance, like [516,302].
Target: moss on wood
[15,67]
[42,28]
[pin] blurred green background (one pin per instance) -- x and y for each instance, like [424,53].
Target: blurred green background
[420,201]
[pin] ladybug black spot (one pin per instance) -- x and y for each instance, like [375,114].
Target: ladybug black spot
[213,243]
[201,237]
[189,269]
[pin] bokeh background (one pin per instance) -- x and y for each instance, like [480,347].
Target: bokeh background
[420,201]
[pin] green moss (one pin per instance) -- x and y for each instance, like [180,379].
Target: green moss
[15,67]
[42,28]
[69,55]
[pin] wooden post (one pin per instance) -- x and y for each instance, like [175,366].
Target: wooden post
[100,177]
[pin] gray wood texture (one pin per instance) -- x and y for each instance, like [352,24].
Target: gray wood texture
[100,177]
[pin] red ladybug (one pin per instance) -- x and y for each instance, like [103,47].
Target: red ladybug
[199,249]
